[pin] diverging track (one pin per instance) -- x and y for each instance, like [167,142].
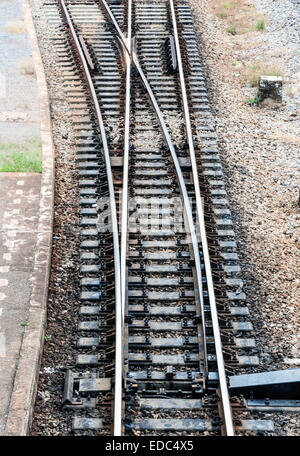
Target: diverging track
[161,320]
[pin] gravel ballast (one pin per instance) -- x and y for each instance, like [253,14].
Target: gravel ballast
[260,154]
[62,310]
[260,150]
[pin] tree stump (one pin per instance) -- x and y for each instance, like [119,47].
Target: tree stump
[270,91]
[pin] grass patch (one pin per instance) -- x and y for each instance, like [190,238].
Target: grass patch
[24,323]
[255,71]
[260,25]
[16,26]
[232,30]
[240,15]
[227,5]
[252,101]
[21,158]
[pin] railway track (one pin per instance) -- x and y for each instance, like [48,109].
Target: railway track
[161,315]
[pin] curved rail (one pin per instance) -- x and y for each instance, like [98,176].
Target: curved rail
[187,206]
[124,206]
[120,265]
[114,226]
[200,216]
[124,209]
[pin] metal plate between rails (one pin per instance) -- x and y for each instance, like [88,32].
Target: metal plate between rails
[170,404]
[94,384]
[160,375]
[162,325]
[161,310]
[87,424]
[184,424]
[163,360]
[167,342]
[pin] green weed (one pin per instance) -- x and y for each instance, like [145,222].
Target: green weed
[18,158]
[232,30]
[260,25]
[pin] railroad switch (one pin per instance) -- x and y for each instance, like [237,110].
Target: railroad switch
[81,390]
[275,390]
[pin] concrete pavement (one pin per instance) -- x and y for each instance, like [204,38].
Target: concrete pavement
[19,214]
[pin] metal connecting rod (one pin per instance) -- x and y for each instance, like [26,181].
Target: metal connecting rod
[200,218]
[114,227]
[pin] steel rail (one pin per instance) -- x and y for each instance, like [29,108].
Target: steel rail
[187,206]
[114,225]
[124,207]
[200,216]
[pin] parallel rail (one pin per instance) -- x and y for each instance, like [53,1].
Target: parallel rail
[124,206]
[119,326]
[226,408]
[120,251]
[153,332]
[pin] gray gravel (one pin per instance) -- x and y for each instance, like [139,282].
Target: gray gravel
[282,32]
[260,152]
[260,157]
[62,317]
